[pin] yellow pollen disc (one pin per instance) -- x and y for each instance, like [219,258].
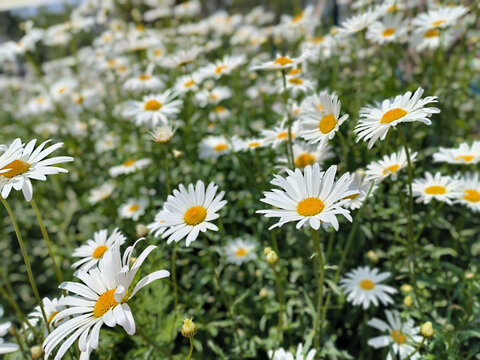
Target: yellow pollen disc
[134,208]
[220,68]
[284,135]
[304,159]
[152,105]
[105,302]
[219,109]
[129,163]
[392,8]
[157,52]
[327,123]
[351,197]
[50,318]
[144,77]
[390,169]
[435,190]
[439,22]
[282,61]
[189,83]
[367,284]
[241,252]
[79,100]
[297,18]
[318,40]
[472,195]
[398,337]
[431,33]
[320,107]
[99,251]
[122,68]
[17,167]
[388,32]
[295,81]
[254,144]
[392,115]
[140,28]
[294,72]
[195,215]
[61,90]
[310,206]
[40,100]
[112,62]
[466,158]
[220,147]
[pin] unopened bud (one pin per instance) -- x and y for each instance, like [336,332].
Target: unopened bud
[426,329]
[263,293]
[189,329]
[406,288]
[267,250]
[142,230]
[372,256]
[408,301]
[272,258]
[36,351]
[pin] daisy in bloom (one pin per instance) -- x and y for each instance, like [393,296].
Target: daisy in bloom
[247,144]
[212,147]
[51,307]
[279,134]
[219,113]
[181,58]
[129,166]
[143,82]
[213,96]
[438,187]
[439,18]
[281,354]
[464,154]
[154,109]
[101,298]
[320,123]
[187,83]
[29,164]
[187,212]
[362,185]
[309,198]
[364,287]
[282,62]
[431,39]
[163,134]
[296,85]
[304,155]
[401,336]
[391,28]
[6,347]
[470,186]
[156,228]
[358,22]
[222,67]
[100,193]
[95,249]
[389,166]
[376,121]
[133,209]
[239,251]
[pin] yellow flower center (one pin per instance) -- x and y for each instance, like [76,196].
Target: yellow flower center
[304,159]
[367,284]
[144,77]
[40,101]
[320,107]
[297,18]
[189,83]
[472,195]
[466,158]
[254,144]
[219,109]
[220,147]
[435,190]
[17,167]
[157,52]
[220,68]
[439,22]
[392,115]
[398,337]
[327,123]
[134,208]
[431,33]
[105,302]
[195,215]
[351,197]
[318,40]
[99,251]
[50,318]
[391,8]
[310,206]
[152,105]
[140,27]
[295,81]
[241,252]
[282,61]
[284,135]
[294,71]
[129,163]
[61,90]
[388,32]
[390,169]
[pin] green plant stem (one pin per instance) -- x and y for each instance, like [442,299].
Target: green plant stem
[318,326]
[291,161]
[149,341]
[19,342]
[175,290]
[25,259]
[47,240]
[167,178]
[281,301]
[416,349]
[191,349]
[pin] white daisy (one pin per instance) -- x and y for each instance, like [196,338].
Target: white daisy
[29,164]
[282,62]
[133,209]
[219,113]
[364,287]
[391,28]
[212,147]
[470,188]
[155,228]
[95,248]
[358,22]
[389,166]
[440,17]
[304,155]
[51,307]
[222,67]
[187,212]
[296,85]
[320,123]
[187,83]
[375,121]
[438,187]
[143,82]
[281,354]
[402,336]
[279,134]
[6,347]
[101,193]
[431,39]
[102,298]
[213,96]
[362,185]
[309,198]
[247,144]
[464,154]
[129,166]
[239,251]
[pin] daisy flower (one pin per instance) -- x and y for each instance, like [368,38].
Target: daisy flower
[239,251]
[281,354]
[439,18]
[143,82]
[438,187]
[6,347]
[163,134]
[358,22]
[187,83]
[304,155]
[29,164]
[52,308]
[129,166]
[362,185]
[282,62]
[95,248]
[430,39]
[364,287]
[154,109]
[320,123]
[296,85]
[389,166]
[187,212]
[213,96]
[101,193]
[133,209]
[212,147]
[470,187]
[219,113]
[402,337]
[376,121]
[156,228]
[222,67]
[391,28]
[279,134]
[309,198]
[464,154]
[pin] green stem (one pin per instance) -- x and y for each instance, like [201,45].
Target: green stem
[281,301]
[149,341]
[167,180]
[47,240]
[19,342]
[291,161]
[416,349]
[25,259]
[175,290]
[191,349]
[318,326]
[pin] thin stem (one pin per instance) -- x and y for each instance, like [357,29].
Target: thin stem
[25,259]
[19,342]
[281,301]
[191,349]
[291,161]
[175,289]
[416,349]
[318,326]
[47,240]
[149,341]
[167,179]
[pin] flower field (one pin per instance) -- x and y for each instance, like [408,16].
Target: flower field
[195,180]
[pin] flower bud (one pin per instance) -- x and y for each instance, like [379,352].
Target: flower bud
[426,329]
[263,293]
[142,230]
[267,250]
[36,351]
[408,301]
[406,288]
[272,258]
[189,329]
[372,256]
